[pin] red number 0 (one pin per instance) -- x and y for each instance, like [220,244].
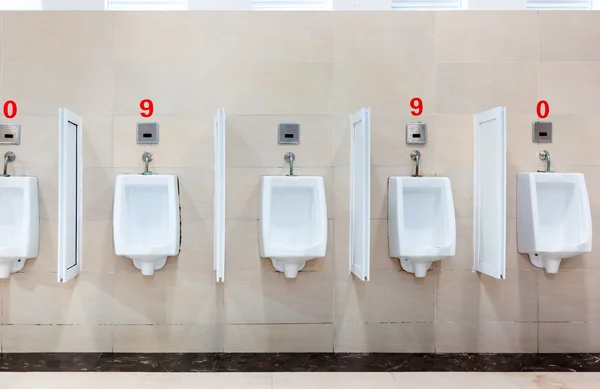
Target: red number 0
[417,105]
[543,115]
[10,109]
[147,107]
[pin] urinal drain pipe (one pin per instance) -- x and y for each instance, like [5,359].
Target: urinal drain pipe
[289,158]
[147,158]
[8,157]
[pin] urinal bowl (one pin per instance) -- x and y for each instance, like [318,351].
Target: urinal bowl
[293,222]
[421,222]
[146,221]
[553,218]
[11,265]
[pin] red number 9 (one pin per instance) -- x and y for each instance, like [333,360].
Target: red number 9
[417,105]
[147,107]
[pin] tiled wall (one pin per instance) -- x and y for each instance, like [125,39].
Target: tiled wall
[315,69]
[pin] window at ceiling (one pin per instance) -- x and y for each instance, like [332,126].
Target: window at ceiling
[427,4]
[292,4]
[146,5]
[559,4]
[24,5]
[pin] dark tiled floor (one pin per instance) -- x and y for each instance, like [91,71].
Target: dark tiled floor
[300,362]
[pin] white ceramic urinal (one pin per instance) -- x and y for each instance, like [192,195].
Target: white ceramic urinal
[421,223]
[293,221]
[19,223]
[553,218]
[146,219]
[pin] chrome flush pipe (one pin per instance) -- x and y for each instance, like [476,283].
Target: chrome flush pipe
[545,156]
[8,157]
[416,156]
[147,158]
[289,158]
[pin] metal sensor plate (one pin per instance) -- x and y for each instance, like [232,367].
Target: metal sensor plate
[289,134]
[416,133]
[542,132]
[147,133]
[10,134]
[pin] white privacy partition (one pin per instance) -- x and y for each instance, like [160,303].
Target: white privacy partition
[219,197]
[70,204]
[489,197]
[360,194]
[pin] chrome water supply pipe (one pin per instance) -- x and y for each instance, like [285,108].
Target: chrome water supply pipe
[147,158]
[8,157]
[545,156]
[416,156]
[289,158]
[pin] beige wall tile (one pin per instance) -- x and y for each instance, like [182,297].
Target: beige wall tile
[184,141]
[252,141]
[388,297]
[464,296]
[39,140]
[568,151]
[42,88]
[98,193]
[46,261]
[83,37]
[167,338]
[569,337]
[98,248]
[468,88]
[569,296]
[567,36]
[570,87]
[484,337]
[22,338]
[388,139]
[268,338]
[521,152]
[174,88]
[243,254]
[97,142]
[243,188]
[277,88]
[387,89]
[393,37]
[269,297]
[499,36]
[300,37]
[173,36]
[39,299]
[384,337]
[453,140]
[167,298]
